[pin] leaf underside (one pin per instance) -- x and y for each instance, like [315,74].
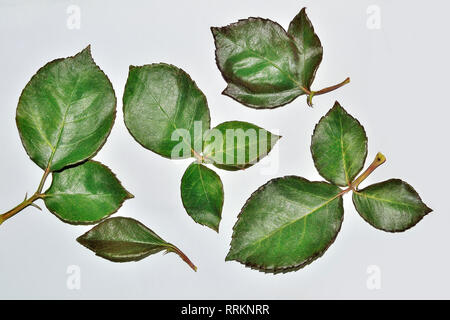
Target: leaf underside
[123,239]
[286,224]
[265,66]
[391,205]
[66,112]
[202,195]
[85,194]
[161,100]
[339,146]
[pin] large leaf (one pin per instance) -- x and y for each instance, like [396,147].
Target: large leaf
[125,239]
[265,66]
[236,145]
[392,205]
[286,224]
[66,112]
[339,146]
[202,194]
[309,46]
[85,194]
[259,61]
[161,106]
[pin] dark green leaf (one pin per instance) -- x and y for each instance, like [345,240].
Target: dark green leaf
[161,106]
[66,112]
[260,63]
[309,46]
[286,224]
[202,194]
[392,205]
[124,239]
[339,146]
[85,194]
[236,145]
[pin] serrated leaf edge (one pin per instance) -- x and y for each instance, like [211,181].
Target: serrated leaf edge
[237,23]
[88,49]
[284,269]
[80,222]
[410,188]
[131,67]
[314,156]
[221,206]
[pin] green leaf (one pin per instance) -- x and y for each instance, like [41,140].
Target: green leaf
[309,46]
[124,239]
[339,146]
[202,195]
[161,106]
[66,112]
[392,205]
[259,62]
[236,145]
[267,67]
[85,194]
[286,224]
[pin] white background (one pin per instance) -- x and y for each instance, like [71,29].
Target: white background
[398,91]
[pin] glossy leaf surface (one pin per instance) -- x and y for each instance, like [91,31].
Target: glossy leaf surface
[286,224]
[123,239]
[339,146]
[265,66]
[161,106]
[202,195]
[392,205]
[308,43]
[66,112]
[85,194]
[236,145]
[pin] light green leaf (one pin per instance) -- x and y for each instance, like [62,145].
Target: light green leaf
[66,112]
[339,146]
[202,195]
[236,145]
[286,224]
[392,205]
[124,239]
[309,46]
[85,194]
[161,106]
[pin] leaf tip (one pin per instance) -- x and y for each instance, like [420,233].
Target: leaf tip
[214,30]
[87,51]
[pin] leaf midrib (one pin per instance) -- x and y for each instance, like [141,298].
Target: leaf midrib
[403,204]
[289,223]
[63,122]
[299,85]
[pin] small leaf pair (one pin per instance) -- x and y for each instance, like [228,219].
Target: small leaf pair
[64,116]
[289,222]
[166,112]
[267,67]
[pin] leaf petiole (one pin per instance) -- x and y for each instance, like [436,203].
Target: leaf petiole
[311,94]
[379,160]
[174,249]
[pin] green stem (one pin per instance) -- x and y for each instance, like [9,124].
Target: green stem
[378,161]
[27,202]
[311,94]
